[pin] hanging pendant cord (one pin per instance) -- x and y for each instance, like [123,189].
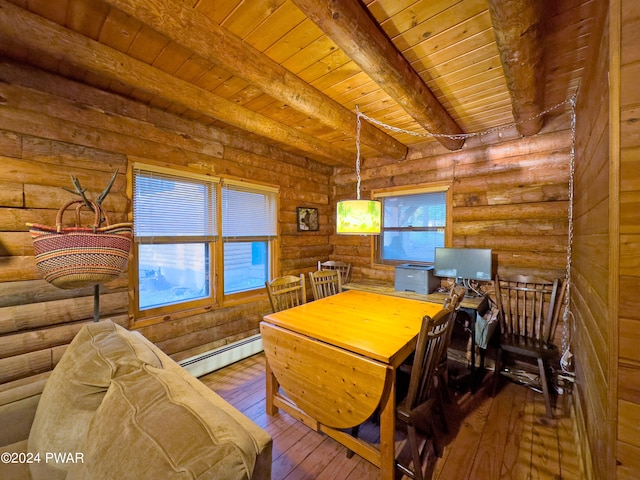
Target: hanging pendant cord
[358,123]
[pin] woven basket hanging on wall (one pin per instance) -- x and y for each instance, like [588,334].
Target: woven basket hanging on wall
[76,256]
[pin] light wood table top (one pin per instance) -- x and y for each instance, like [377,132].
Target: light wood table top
[436,297]
[336,359]
[377,326]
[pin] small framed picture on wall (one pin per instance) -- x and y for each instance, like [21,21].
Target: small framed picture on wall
[307,219]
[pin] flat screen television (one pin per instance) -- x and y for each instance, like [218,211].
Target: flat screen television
[463,263]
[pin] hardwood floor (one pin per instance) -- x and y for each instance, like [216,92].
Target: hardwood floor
[505,437]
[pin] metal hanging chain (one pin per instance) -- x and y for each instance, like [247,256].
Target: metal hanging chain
[565,360]
[460,136]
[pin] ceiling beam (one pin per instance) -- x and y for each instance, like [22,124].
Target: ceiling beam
[198,33]
[60,43]
[351,27]
[517,26]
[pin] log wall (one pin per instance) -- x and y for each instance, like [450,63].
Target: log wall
[51,128]
[627,457]
[606,277]
[591,270]
[509,194]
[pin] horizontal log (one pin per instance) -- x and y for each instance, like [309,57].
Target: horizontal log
[40,291]
[186,342]
[95,118]
[42,314]
[305,253]
[11,194]
[510,227]
[523,259]
[15,244]
[33,341]
[39,125]
[17,268]
[525,211]
[512,194]
[161,332]
[537,176]
[10,143]
[25,365]
[36,172]
[542,243]
[15,219]
[42,196]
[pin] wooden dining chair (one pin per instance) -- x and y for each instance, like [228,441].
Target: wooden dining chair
[286,292]
[325,283]
[528,311]
[417,409]
[342,267]
[454,299]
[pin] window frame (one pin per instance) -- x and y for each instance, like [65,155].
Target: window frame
[217,297]
[381,194]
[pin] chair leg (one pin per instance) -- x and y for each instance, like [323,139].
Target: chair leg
[545,387]
[442,398]
[415,452]
[496,373]
[443,380]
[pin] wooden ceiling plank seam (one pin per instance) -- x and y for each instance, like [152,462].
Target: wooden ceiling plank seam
[147,45]
[199,33]
[86,17]
[55,12]
[112,64]
[489,68]
[355,32]
[452,19]
[444,54]
[217,10]
[413,16]
[248,15]
[270,32]
[319,52]
[453,41]
[296,39]
[459,64]
[119,30]
[383,10]
[518,29]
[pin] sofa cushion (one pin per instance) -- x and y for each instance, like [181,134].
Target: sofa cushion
[14,470]
[153,424]
[99,352]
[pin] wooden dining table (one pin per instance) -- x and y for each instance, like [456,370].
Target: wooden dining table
[332,362]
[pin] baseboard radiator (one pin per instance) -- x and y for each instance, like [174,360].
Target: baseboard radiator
[221,357]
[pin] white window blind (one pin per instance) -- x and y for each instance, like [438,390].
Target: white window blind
[167,205]
[248,211]
[414,211]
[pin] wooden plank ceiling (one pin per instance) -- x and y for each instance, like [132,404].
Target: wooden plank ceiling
[293,71]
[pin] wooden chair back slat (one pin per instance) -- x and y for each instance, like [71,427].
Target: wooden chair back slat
[286,292]
[325,283]
[431,342]
[528,306]
[342,267]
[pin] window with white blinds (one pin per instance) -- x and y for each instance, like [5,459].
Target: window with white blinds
[167,205]
[413,225]
[248,211]
[179,219]
[249,225]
